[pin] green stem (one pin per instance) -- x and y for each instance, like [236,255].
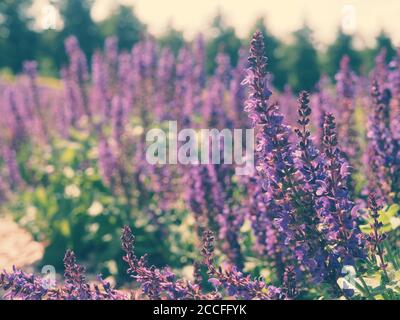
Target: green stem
[365,287]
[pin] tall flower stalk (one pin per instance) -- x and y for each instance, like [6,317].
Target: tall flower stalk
[336,210]
[346,92]
[376,238]
[274,162]
[383,149]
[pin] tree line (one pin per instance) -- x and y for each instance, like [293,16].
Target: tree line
[298,63]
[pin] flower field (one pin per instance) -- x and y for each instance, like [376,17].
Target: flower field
[317,219]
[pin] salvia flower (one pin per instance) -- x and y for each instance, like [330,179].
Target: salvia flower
[337,211]
[376,237]
[12,166]
[118,119]
[274,153]
[107,162]
[238,92]
[234,282]
[263,228]
[255,79]
[345,87]
[75,281]
[289,279]
[156,283]
[78,73]
[383,149]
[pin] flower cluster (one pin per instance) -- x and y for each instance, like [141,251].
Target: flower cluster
[20,285]
[305,190]
[155,283]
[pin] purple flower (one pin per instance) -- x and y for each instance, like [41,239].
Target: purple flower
[75,285]
[78,74]
[118,119]
[234,282]
[345,87]
[340,221]
[223,70]
[111,50]
[257,102]
[199,57]
[107,162]
[376,237]
[274,154]
[187,89]
[230,220]
[165,84]
[156,283]
[30,69]
[101,95]
[20,285]
[12,166]
[204,197]
[16,116]
[322,102]
[125,78]
[383,149]
[263,228]
[238,92]
[289,279]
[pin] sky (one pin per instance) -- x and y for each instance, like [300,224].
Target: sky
[364,18]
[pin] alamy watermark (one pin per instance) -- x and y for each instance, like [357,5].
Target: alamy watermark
[49,277]
[349,19]
[202,146]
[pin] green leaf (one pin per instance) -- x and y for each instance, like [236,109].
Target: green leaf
[64,228]
[68,155]
[41,196]
[388,217]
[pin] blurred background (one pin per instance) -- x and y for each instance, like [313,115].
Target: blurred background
[305,36]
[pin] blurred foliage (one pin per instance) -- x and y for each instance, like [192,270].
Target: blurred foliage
[16,37]
[78,21]
[302,59]
[223,39]
[173,39]
[343,45]
[123,24]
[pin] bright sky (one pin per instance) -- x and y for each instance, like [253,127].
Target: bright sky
[364,17]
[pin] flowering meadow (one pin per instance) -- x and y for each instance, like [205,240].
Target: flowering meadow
[318,218]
